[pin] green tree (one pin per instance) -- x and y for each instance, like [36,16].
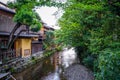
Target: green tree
[26,15]
[76,25]
[49,40]
[92,27]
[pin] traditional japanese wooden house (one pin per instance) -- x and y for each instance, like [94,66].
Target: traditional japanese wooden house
[44,29]
[38,45]
[22,45]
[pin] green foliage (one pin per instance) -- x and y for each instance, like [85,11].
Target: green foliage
[109,65]
[24,16]
[51,45]
[48,53]
[32,58]
[92,27]
[49,41]
[78,23]
[89,62]
[25,13]
[105,42]
[113,6]
[12,69]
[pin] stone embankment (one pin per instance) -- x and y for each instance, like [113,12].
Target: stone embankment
[20,64]
[78,72]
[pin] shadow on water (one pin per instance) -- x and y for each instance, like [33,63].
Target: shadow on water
[32,73]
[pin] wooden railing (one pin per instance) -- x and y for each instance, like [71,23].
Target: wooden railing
[10,54]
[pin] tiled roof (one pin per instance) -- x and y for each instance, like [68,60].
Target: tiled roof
[4,33]
[21,35]
[4,7]
[28,35]
[48,27]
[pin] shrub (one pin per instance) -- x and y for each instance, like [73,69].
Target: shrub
[89,62]
[109,65]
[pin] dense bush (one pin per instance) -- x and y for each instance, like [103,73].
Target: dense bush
[109,65]
[93,28]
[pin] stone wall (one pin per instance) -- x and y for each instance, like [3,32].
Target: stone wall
[20,64]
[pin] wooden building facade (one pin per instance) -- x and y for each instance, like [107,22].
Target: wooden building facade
[26,44]
[22,46]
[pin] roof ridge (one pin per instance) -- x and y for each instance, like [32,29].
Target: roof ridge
[3,4]
[6,8]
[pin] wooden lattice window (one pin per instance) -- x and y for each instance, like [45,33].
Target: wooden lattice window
[26,52]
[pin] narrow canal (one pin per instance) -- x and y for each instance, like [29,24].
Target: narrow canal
[51,68]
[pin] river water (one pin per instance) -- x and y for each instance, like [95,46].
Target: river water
[51,68]
[65,58]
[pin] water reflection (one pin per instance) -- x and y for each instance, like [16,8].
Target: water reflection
[51,68]
[66,58]
[32,73]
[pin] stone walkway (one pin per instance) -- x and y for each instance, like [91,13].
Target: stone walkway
[78,72]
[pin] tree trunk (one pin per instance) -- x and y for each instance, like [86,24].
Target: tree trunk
[12,41]
[12,34]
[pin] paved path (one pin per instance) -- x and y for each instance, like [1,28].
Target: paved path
[78,72]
